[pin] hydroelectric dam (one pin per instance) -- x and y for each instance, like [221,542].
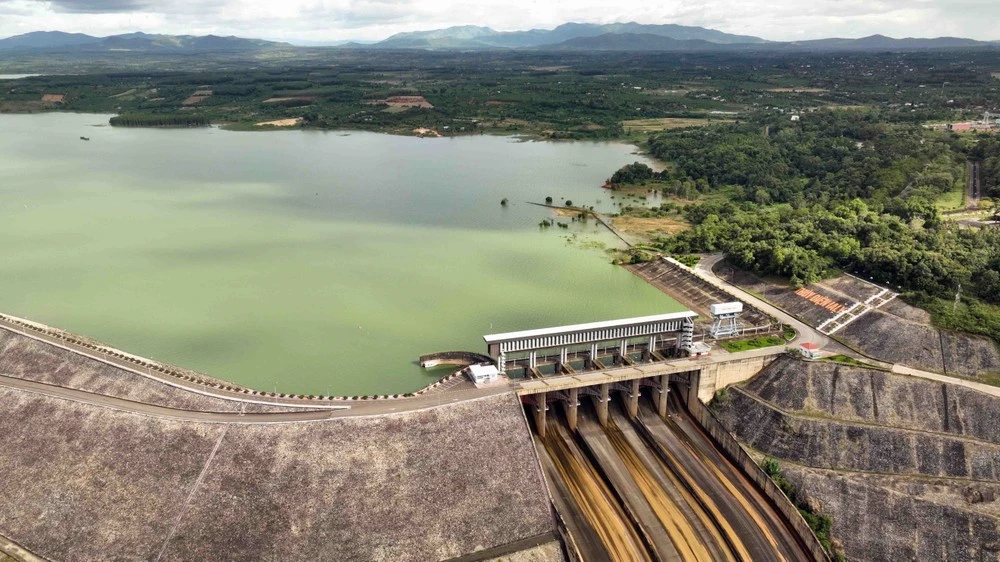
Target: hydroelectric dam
[585,442]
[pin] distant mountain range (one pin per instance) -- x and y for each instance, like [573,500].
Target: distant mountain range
[641,37]
[580,37]
[57,40]
[471,37]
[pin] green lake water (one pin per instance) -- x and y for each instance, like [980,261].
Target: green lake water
[310,262]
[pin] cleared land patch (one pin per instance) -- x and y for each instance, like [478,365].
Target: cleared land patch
[197,97]
[290,122]
[666,123]
[404,102]
[292,98]
[640,225]
[53,98]
[797,90]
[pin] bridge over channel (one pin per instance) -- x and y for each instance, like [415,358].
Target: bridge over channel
[624,356]
[699,376]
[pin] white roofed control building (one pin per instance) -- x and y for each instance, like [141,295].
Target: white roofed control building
[675,329]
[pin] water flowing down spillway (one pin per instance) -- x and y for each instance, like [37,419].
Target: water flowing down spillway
[654,488]
[619,540]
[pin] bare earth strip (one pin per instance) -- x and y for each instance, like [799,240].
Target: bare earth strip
[652,125]
[281,122]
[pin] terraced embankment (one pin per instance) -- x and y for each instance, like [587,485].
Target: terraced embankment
[894,332]
[900,333]
[909,469]
[693,292]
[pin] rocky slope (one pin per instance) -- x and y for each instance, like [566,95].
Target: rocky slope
[900,333]
[909,469]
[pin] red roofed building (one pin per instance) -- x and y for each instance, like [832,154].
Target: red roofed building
[810,350]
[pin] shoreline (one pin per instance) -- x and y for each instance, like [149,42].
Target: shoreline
[405,131]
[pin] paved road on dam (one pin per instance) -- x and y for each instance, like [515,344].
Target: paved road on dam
[375,408]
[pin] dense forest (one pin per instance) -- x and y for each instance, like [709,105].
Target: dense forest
[148,120]
[839,191]
[826,156]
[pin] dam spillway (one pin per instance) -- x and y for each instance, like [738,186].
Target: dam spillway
[673,494]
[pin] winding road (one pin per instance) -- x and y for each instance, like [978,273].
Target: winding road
[807,333]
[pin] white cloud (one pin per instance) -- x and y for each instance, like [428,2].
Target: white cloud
[376,19]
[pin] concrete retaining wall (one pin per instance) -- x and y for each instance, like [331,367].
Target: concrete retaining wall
[720,375]
[461,358]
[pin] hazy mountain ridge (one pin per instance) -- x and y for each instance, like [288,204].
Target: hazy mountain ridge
[473,37]
[640,42]
[49,40]
[647,42]
[641,37]
[883,42]
[567,37]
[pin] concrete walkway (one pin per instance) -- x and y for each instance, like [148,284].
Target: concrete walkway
[984,388]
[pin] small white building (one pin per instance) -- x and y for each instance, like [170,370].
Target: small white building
[700,348]
[810,350]
[483,374]
[796,117]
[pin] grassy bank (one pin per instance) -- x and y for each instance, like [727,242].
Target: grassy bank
[755,343]
[968,315]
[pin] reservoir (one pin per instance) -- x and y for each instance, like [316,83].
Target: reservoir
[303,261]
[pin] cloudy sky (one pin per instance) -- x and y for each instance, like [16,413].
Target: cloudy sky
[334,20]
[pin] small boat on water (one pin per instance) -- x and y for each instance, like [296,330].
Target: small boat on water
[85,138]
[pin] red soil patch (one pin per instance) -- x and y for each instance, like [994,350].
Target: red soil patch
[54,98]
[292,98]
[404,101]
[197,97]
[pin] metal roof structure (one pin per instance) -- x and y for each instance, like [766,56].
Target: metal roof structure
[591,326]
[590,332]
